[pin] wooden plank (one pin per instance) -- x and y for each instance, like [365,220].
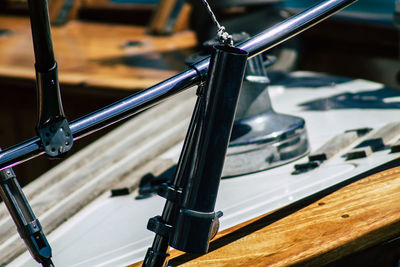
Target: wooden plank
[183,20]
[161,16]
[92,55]
[61,11]
[95,2]
[355,217]
[170,16]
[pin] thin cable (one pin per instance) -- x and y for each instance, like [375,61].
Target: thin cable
[213,17]
[222,35]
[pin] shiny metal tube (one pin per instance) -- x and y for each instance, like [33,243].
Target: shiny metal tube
[153,95]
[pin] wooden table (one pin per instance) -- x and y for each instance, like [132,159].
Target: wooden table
[96,55]
[363,214]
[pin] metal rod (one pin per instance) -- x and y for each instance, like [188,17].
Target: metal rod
[52,126]
[28,225]
[42,43]
[153,95]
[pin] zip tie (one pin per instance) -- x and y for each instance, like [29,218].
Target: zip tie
[222,35]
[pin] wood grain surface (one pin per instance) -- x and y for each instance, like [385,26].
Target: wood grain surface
[355,217]
[96,55]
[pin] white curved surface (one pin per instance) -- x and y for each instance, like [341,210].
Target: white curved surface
[112,231]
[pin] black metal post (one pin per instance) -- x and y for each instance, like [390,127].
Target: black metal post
[194,225]
[146,98]
[188,221]
[41,35]
[28,226]
[52,126]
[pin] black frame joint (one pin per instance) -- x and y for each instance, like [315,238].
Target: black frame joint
[52,128]
[7,174]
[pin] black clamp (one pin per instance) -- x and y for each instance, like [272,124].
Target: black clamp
[194,229]
[305,167]
[159,227]
[170,193]
[52,128]
[6,175]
